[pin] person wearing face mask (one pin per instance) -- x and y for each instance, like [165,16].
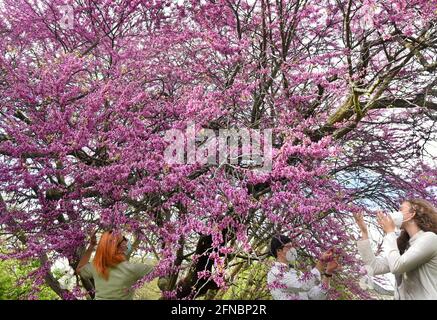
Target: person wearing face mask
[113,274]
[411,257]
[286,283]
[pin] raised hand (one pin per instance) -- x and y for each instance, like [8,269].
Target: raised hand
[386,222]
[93,238]
[332,266]
[327,255]
[359,219]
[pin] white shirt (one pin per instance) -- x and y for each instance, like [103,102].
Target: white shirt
[415,270]
[286,283]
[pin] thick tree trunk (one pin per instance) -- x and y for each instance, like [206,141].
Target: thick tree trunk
[191,284]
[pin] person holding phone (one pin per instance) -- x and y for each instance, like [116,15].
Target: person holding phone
[411,257]
[285,281]
[113,274]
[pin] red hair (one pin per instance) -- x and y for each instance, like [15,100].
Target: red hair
[107,254]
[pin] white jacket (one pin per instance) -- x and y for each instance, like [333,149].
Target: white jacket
[292,286]
[415,270]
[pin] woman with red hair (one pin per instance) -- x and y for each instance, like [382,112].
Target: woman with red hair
[113,275]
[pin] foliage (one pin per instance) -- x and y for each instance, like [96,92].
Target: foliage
[15,286]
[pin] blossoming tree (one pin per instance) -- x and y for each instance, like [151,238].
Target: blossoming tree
[348,88]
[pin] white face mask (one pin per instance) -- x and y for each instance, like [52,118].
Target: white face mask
[291,255]
[398,218]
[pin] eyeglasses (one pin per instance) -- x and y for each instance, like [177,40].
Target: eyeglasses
[121,241]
